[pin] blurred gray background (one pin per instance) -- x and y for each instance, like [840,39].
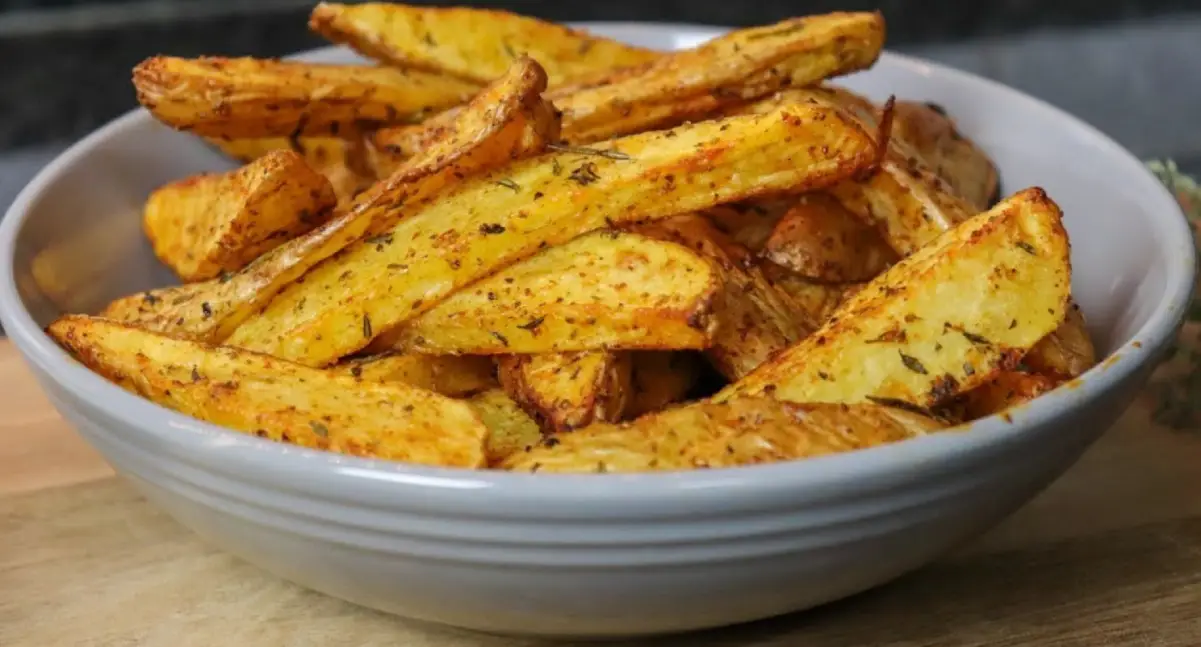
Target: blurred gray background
[1130,67]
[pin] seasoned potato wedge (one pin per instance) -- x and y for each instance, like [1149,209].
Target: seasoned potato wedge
[1008,389]
[953,157]
[247,97]
[343,162]
[474,44]
[819,239]
[455,376]
[565,391]
[346,302]
[274,399]
[206,225]
[741,431]
[604,290]
[510,430]
[488,138]
[942,321]
[810,301]
[743,64]
[660,378]
[1065,353]
[749,224]
[753,318]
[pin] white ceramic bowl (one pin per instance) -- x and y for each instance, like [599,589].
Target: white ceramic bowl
[603,555]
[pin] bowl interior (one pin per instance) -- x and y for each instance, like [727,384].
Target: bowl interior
[79,243]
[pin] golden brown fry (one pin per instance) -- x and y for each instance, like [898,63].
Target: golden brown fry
[741,431]
[247,97]
[754,319]
[943,321]
[474,44]
[510,430]
[455,376]
[565,391]
[493,131]
[345,303]
[819,239]
[1008,389]
[749,224]
[743,64]
[953,157]
[207,225]
[604,290]
[343,162]
[661,378]
[274,399]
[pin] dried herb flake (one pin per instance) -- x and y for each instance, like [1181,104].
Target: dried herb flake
[912,363]
[585,150]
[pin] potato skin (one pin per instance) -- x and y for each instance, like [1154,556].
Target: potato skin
[565,391]
[604,290]
[486,136]
[942,321]
[741,431]
[247,97]
[819,239]
[510,430]
[269,398]
[474,44]
[450,375]
[1008,389]
[661,378]
[343,162]
[207,225]
[954,158]
[545,201]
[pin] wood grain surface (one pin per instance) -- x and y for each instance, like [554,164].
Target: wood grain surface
[1109,555]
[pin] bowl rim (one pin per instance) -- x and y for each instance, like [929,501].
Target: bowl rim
[248,457]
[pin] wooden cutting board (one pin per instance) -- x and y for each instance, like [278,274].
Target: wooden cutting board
[1111,554]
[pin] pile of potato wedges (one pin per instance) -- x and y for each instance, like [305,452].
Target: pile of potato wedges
[508,244]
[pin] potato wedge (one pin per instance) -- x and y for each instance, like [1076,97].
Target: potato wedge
[661,378]
[510,430]
[753,318]
[454,376]
[741,431]
[1065,353]
[565,391]
[749,224]
[344,162]
[811,302]
[261,395]
[956,159]
[819,239]
[1008,389]
[942,321]
[492,132]
[248,97]
[474,44]
[604,290]
[207,225]
[743,64]
[343,304]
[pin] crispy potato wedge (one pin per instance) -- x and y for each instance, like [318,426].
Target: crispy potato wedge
[343,304]
[565,391]
[1065,353]
[811,302]
[660,378]
[264,396]
[343,162]
[819,239]
[749,224]
[207,225]
[743,64]
[248,97]
[474,44]
[450,375]
[1008,389]
[953,157]
[942,321]
[604,290]
[491,134]
[510,430]
[741,431]
[753,318]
